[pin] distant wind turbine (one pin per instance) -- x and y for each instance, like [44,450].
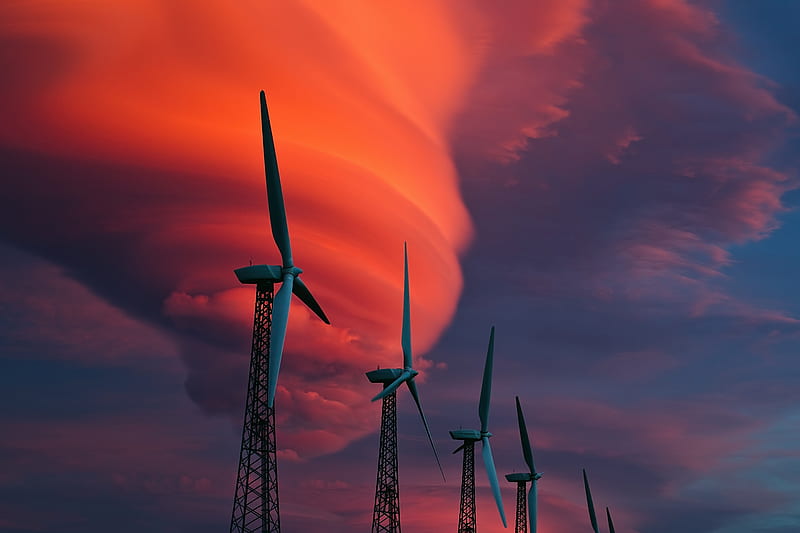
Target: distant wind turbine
[386,512]
[466,514]
[521,479]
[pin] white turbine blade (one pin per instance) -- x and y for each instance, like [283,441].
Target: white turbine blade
[491,472]
[405,338]
[393,386]
[412,386]
[590,503]
[301,291]
[280,319]
[277,210]
[486,386]
[523,436]
[610,522]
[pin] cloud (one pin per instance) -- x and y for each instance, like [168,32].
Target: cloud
[611,154]
[48,315]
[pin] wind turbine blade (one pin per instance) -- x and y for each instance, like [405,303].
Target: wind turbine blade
[532,493]
[459,448]
[523,437]
[393,386]
[486,388]
[589,503]
[491,471]
[301,291]
[277,211]
[280,319]
[406,333]
[412,386]
[610,522]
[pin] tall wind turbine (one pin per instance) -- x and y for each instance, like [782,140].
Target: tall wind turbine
[522,478]
[466,513]
[590,503]
[386,513]
[255,501]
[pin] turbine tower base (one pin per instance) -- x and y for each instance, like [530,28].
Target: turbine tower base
[255,502]
[522,508]
[386,513]
[466,511]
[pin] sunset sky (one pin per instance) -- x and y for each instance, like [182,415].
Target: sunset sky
[613,184]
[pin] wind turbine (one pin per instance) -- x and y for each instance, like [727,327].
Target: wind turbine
[590,503]
[386,513]
[466,513]
[522,478]
[255,502]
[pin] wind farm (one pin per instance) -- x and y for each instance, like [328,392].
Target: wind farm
[612,185]
[256,504]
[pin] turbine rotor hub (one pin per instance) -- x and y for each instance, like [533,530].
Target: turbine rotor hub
[293,270]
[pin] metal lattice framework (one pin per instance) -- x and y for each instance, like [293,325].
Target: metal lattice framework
[466,512]
[255,503]
[522,509]
[386,513]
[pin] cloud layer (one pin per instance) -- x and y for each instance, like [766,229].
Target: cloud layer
[591,167]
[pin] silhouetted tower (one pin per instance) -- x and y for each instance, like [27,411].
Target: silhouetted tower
[386,512]
[255,503]
[466,510]
[521,524]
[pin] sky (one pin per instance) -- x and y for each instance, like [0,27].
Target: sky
[612,184]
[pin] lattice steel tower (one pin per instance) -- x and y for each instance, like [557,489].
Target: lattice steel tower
[521,524]
[255,500]
[386,512]
[466,510]
[255,503]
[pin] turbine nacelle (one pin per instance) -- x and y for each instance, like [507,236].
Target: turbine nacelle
[259,273]
[254,274]
[389,375]
[384,375]
[523,476]
[466,434]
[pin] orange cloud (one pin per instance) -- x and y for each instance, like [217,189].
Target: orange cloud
[364,102]
[360,114]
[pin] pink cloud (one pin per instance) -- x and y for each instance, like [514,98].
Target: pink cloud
[52,309]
